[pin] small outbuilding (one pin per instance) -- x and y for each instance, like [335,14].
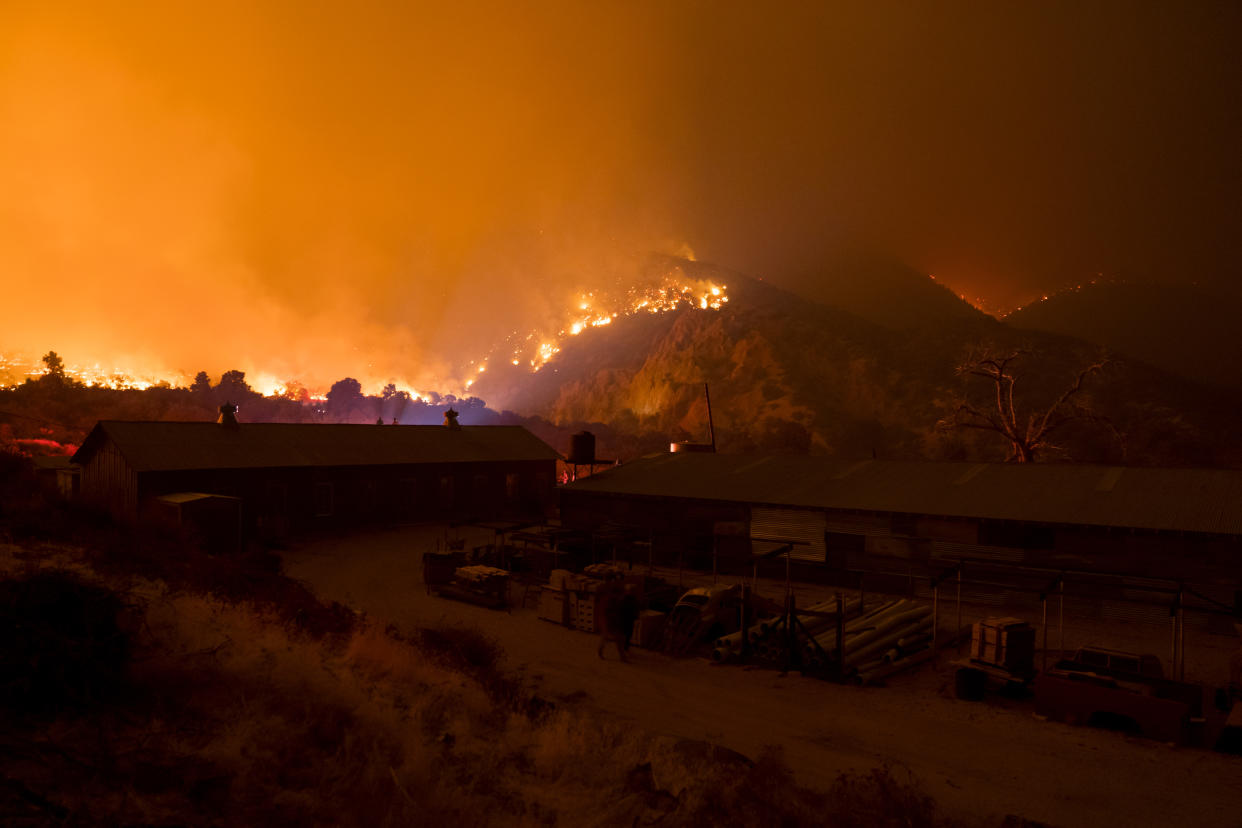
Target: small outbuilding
[58,476]
[297,477]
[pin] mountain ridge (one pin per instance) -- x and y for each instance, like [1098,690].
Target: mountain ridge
[791,374]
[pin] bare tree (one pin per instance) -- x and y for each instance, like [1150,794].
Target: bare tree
[1029,433]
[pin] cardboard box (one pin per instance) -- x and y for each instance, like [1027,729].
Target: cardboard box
[562,579]
[553,606]
[583,611]
[1007,642]
[648,628]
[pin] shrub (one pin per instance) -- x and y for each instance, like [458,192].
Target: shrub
[60,642]
[879,799]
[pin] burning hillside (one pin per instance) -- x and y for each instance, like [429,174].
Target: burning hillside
[528,350]
[597,308]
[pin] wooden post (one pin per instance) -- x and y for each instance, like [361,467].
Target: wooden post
[1173,640]
[840,636]
[788,583]
[935,613]
[1181,636]
[958,630]
[792,640]
[1043,667]
[1061,620]
[715,552]
[745,621]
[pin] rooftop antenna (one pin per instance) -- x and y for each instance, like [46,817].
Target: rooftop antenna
[700,448]
[711,428]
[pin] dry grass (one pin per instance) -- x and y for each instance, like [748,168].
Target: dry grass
[237,713]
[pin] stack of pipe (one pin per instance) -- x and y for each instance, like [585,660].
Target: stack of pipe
[888,635]
[883,640]
[766,633]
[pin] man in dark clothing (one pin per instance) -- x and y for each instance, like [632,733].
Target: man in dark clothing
[619,613]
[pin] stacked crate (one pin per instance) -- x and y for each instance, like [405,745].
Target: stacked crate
[647,629]
[1005,642]
[582,609]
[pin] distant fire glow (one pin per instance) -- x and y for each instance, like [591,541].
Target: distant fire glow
[531,349]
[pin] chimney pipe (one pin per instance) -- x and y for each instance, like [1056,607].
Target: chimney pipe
[450,420]
[228,416]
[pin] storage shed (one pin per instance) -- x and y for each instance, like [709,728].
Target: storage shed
[901,522]
[292,477]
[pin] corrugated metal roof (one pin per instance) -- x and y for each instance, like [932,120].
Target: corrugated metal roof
[169,446]
[1189,500]
[178,498]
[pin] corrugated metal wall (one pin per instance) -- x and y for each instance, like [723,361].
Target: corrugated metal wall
[803,525]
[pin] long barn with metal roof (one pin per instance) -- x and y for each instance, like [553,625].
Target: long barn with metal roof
[916,518]
[1176,500]
[292,476]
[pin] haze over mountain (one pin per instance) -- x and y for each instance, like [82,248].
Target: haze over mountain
[872,376]
[1185,330]
[883,290]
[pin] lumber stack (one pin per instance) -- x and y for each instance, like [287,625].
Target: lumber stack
[876,641]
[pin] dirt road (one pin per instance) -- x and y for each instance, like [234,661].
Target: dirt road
[977,760]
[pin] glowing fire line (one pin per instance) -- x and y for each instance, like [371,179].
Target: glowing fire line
[596,309]
[532,349]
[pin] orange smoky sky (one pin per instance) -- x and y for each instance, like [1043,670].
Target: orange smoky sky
[382,190]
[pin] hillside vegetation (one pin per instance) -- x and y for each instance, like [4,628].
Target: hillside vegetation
[791,375]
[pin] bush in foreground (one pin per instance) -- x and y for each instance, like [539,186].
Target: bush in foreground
[235,714]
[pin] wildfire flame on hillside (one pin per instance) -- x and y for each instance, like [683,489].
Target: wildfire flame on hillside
[15,369]
[532,348]
[597,308]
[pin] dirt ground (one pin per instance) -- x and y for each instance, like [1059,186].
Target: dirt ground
[979,761]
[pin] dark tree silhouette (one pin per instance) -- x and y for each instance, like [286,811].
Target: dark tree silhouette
[233,387]
[55,365]
[343,397]
[201,384]
[1028,433]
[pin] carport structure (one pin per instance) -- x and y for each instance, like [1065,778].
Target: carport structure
[1158,546]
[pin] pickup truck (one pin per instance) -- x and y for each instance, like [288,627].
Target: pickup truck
[1123,691]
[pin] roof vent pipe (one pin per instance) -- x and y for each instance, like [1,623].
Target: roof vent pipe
[228,416]
[699,448]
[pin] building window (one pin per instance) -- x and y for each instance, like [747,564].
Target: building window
[323,499]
